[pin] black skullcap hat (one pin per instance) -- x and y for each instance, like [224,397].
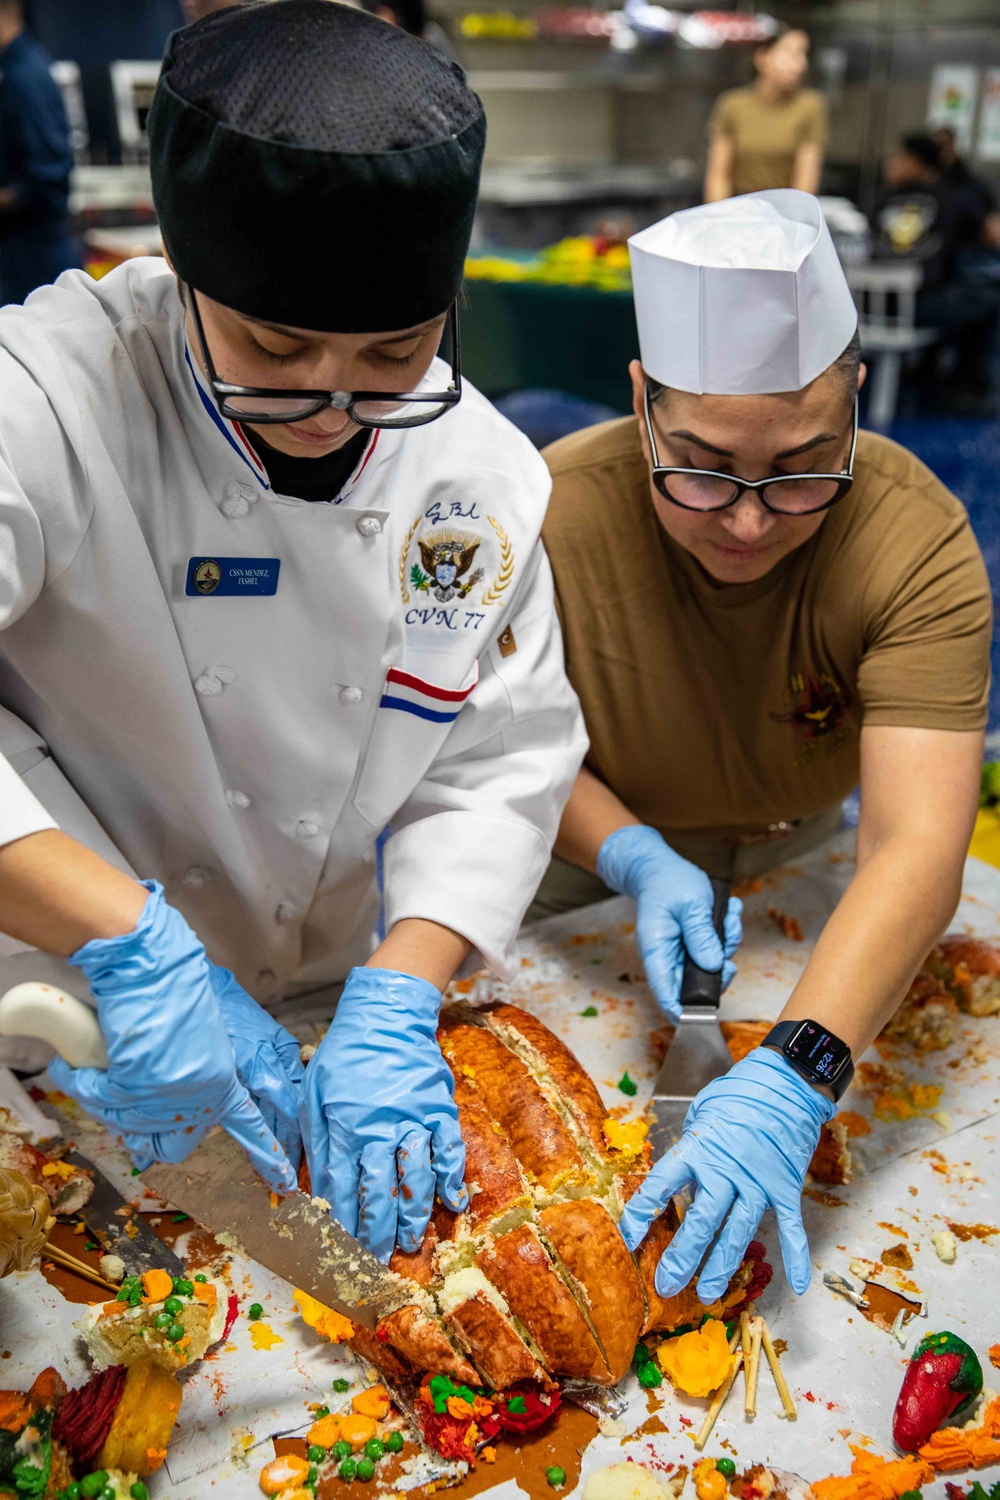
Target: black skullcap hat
[315,166]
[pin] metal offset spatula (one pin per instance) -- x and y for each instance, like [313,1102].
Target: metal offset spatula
[219,1188]
[697,1053]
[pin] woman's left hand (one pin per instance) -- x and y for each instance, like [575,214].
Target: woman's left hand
[747,1143]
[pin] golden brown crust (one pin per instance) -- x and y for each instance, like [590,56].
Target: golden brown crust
[970,968]
[424,1342]
[741,1037]
[926,1017]
[519,1267]
[378,1353]
[831,1161]
[661,1312]
[493,1344]
[571,1080]
[539,1138]
[980,958]
[418,1266]
[490,1163]
[584,1237]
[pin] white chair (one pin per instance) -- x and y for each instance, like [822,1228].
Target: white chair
[885,293]
[886,315]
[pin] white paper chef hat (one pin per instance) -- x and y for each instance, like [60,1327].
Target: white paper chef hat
[743,297]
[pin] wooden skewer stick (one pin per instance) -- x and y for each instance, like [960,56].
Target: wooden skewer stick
[716,1406]
[791,1411]
[78,1267]
[752,1366]
[745,1341]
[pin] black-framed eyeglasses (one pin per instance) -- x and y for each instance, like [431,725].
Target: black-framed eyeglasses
[785,494]
[265,405]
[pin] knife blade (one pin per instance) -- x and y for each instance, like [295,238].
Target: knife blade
[125,1234]
[294,1236]
[139,1248]
[697,1053]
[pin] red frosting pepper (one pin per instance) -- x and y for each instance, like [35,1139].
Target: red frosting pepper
[942,1380]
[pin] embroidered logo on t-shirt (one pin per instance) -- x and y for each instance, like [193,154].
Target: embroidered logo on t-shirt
[817,706]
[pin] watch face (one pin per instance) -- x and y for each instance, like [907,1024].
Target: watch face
[818,1050]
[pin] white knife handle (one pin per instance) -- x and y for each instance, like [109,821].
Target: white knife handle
[53,1016]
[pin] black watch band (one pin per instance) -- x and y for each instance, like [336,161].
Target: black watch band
[814,1052]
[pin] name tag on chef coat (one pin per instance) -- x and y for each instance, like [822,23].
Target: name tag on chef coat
[232,577]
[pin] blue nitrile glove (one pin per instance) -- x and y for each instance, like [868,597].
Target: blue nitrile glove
[378,1113]
[171,1073]
[747,1142]
[268,1060]
[673,901]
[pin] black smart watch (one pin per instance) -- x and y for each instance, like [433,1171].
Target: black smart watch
[814,1052]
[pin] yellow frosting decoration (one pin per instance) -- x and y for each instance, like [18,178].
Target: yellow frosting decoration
[697,1362]
[625,1135]
[327,1323]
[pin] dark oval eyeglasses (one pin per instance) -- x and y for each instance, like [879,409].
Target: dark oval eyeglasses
[784,494]
[266,405]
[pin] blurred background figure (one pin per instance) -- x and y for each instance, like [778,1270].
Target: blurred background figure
[929,215]
[195,9]
[772,134]
[955,170]
[35,164]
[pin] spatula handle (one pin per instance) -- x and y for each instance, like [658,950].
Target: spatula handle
[699,986]
[53,1016]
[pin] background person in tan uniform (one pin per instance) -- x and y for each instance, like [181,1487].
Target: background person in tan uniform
[751,631]
[772,134]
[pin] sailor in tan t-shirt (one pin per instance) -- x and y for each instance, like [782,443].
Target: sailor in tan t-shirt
[772,134]
[762,608]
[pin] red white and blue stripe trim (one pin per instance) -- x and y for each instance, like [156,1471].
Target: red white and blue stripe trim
[414,696]
[231,431]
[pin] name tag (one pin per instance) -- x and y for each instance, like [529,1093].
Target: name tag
[234,577]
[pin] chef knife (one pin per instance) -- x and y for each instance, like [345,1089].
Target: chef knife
[293,1236]
[697,1052]
[120,1228]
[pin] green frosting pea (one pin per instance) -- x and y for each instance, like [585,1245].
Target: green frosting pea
[91,1485]
[366,1469]
[348,1469]
[556,1476]
[726,1467]
[394,1442]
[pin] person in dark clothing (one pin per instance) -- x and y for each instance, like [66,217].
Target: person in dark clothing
[35,164]
[926,216]
[955,169]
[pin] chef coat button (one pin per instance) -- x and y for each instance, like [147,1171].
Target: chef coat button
[305,828]
[237,799]
[211,682]
[351,695]
[237,498]
[196,876]
[369,525]
[285,912]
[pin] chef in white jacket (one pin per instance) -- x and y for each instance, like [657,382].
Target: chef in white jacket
[258,607]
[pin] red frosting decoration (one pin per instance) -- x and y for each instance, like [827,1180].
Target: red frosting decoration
[538,1407]
[447,1434]
[232,1313]
[84,1419]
